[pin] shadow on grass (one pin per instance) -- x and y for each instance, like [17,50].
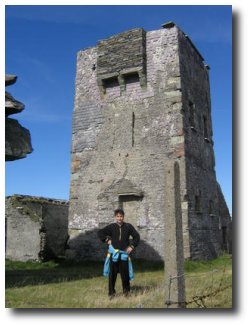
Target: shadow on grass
[62,271]
[25,274]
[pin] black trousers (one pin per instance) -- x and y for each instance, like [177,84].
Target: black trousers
[119,267]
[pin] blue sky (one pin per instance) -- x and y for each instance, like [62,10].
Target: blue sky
[41,45]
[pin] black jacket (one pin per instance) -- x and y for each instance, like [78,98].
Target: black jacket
[119,235]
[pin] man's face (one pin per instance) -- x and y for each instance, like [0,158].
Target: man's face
[119,218]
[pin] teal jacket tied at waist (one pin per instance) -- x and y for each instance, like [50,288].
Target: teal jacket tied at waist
[115,256]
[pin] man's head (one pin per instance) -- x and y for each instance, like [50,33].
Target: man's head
[119,216]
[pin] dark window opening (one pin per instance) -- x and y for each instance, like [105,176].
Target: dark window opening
[110,82]
[131,78]
[191,115]
[198,203]
[211,207]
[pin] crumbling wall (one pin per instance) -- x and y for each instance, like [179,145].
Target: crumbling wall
[23,230]
[37,228]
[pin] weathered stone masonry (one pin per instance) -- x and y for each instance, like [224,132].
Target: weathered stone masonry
[142,99]
[36,228]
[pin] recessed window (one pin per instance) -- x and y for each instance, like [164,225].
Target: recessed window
[110,82]
[198,203]
[131,78]
[211,207]
[191,115]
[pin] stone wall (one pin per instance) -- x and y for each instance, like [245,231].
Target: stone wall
[37,228]
[120,56]
[202,191]
[128,121]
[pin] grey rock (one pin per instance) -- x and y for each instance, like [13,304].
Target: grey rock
[17,140]
[12,106]
[10,79]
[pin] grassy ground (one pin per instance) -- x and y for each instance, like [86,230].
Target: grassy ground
[64,284]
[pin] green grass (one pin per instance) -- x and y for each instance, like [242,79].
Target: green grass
[206,266]
[67,284]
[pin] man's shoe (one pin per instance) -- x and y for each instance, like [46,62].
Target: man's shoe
[111,296]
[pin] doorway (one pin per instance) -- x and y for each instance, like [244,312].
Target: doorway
[129,203]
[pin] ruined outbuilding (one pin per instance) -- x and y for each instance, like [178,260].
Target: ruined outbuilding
[142,99]
[36,228]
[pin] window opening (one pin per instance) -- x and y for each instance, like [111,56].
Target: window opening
[110,82]
[133,129]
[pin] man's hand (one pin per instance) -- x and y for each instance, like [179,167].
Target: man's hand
[128,250]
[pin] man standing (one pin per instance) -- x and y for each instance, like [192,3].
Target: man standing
[118,235]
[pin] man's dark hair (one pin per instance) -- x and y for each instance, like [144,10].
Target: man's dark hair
[119,211]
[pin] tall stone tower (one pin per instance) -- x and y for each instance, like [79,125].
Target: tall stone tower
[142,99]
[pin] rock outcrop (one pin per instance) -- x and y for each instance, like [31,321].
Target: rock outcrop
[17,138]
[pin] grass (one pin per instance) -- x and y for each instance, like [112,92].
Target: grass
[66,284]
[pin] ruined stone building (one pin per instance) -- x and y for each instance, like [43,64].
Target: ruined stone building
[143,99]
[36,228]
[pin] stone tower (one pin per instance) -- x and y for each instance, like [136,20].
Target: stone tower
[141,100]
